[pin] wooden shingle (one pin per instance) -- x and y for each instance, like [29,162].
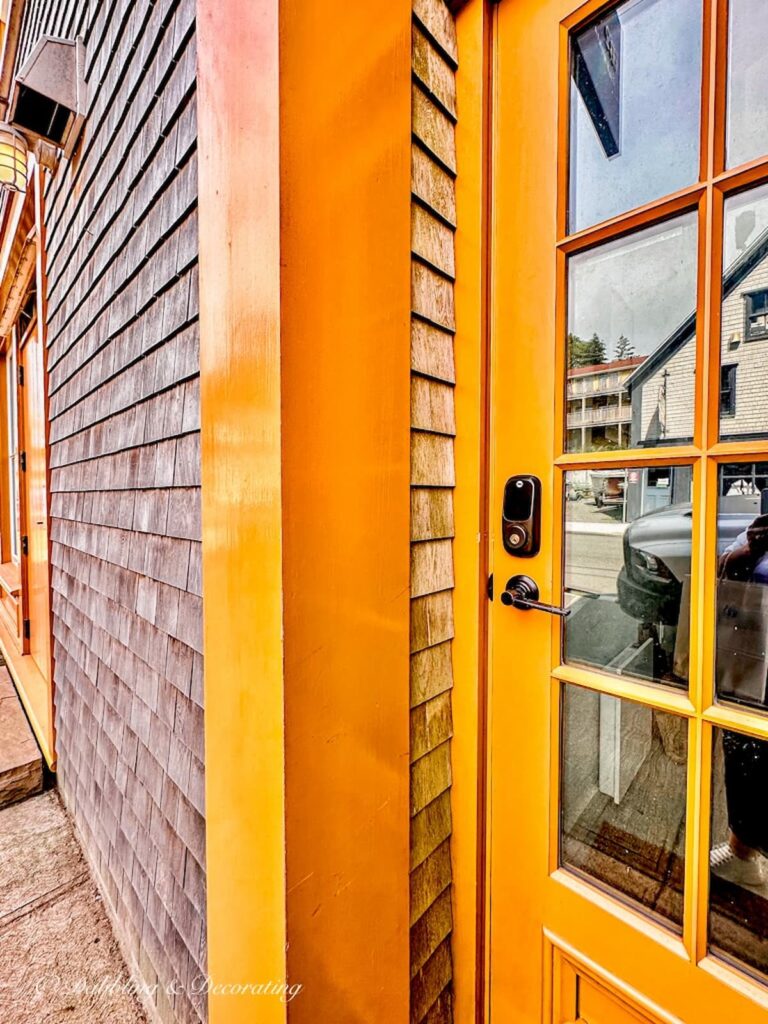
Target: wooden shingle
[433,476]
[123,361]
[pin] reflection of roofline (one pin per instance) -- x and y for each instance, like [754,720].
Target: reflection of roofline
[617,364]
[733,277]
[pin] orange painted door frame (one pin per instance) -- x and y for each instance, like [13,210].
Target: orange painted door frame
[29,657]
[561,947]
[36,575]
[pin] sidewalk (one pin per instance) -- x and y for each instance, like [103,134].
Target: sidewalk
[59,960]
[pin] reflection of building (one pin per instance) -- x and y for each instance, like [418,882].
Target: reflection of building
[662,389]
[598,408]
[657,487]
[744,487]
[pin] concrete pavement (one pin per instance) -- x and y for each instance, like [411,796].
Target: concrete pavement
[59,960]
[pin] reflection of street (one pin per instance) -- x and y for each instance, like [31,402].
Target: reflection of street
[594,548]
[593,566]
[585,511]
[627,559]
[598,632]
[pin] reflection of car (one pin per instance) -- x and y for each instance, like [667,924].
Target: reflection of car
[657,558]
[608,487]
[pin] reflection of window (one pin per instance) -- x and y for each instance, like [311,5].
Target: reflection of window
[743,478]
[728,390]
[756,315]
[597,74]
[658,477]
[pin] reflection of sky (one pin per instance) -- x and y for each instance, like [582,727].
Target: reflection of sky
[642,286]
[746,217]
[661,87]
[748,81]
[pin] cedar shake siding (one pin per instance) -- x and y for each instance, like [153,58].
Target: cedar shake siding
[123,361]
[433,427]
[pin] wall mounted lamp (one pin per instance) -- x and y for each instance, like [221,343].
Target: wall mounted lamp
[13,159]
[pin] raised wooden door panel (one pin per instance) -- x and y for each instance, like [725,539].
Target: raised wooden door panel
[629,740]
[36,503]
[581,997]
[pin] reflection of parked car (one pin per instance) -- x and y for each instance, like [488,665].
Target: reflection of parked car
[608,487]
[657,558]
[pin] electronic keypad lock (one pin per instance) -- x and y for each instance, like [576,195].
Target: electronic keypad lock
[521,515]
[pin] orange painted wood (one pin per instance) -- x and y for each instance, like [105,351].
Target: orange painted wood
[35,520]
[468,794]
[345,179]
[653,974]
[29,658]
[239,196]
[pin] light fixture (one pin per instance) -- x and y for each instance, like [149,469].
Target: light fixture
[13,159]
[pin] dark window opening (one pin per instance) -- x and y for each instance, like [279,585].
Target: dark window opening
[756,315]
[728,390]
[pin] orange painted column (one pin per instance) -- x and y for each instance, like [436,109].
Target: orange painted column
[345,159]
[304,147]
[239,198]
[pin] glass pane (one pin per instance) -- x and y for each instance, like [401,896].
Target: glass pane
[738,897]
[631,346]
[742,594]
[635,103]
[627,571]
[747,111]
[744,324]
[622,812]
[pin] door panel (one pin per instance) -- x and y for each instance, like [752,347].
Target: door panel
[629,373]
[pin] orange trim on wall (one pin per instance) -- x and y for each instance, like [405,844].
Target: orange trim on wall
[42,332]
[239,197]
[471,511]
[345,159]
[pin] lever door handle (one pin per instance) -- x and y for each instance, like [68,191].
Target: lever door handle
[523,593]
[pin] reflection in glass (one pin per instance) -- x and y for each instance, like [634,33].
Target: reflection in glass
[742,584]
[627,571]
[631,347]
[622,812]
[747,110]
[635,103]
[738,899]
[744,323]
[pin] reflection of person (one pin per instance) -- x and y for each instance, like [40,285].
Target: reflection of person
[746,560]
[740,860]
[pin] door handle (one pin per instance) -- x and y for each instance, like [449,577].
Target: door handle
[523,593]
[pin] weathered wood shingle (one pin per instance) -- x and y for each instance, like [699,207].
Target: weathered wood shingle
[433,476]
[123,366]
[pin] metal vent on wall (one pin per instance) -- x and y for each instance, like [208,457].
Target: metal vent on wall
[48,100]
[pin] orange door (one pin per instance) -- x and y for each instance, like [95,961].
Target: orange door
[629,739]
[34,482]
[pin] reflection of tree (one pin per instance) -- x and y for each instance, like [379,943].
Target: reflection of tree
[604,444]
[585,353]
[624,348]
